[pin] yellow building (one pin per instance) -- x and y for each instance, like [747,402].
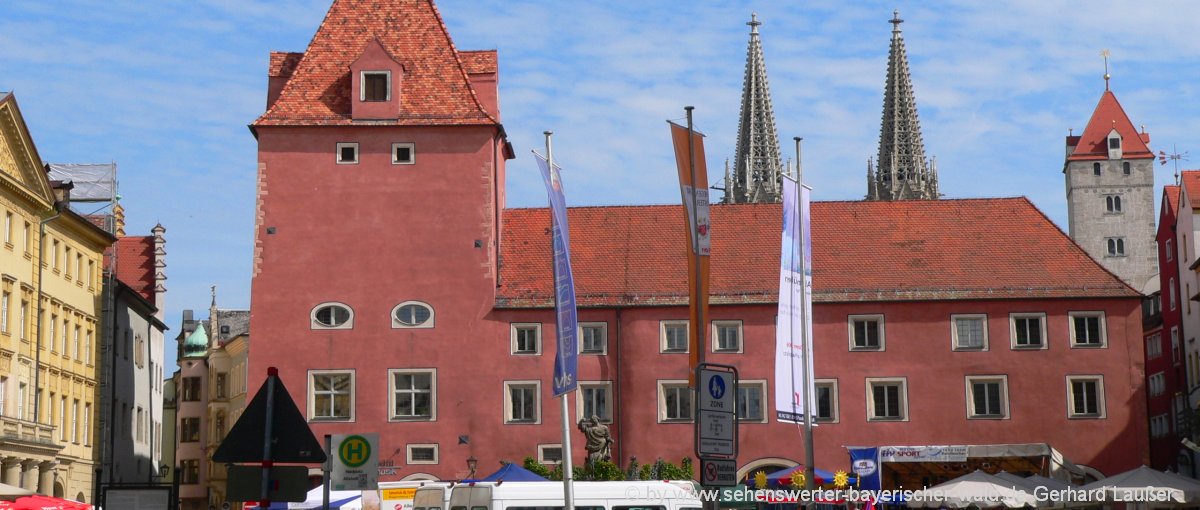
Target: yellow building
[47,416]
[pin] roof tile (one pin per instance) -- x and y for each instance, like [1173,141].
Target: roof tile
[1093,143]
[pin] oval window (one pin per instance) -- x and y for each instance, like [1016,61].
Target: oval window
[412,315]
[332,316]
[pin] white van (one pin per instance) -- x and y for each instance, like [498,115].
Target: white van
[636,495]
[404,495]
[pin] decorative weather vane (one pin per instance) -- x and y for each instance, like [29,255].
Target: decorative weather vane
[1175,156]
[1105,53]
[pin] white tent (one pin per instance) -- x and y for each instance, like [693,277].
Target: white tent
[345,500]
[1147,486]
[976,489]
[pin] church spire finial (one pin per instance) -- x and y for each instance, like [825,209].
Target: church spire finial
[1105,54]
[757,173]
[896,21]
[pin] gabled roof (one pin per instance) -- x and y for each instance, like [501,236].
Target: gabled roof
[1189,181]
[135,264]
[29,177]
[435,89]
[1093,143]
[1171,195]
[998,248]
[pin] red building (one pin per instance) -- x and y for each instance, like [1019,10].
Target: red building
[396,293]
[1166,383]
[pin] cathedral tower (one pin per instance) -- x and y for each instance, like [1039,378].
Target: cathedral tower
[756,175]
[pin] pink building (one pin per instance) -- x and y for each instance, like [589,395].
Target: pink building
[396,293]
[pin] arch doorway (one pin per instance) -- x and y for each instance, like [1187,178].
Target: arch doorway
[59,491]
[767,465]
[79,497]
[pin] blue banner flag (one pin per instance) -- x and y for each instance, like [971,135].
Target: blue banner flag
[865,463]
[566,360]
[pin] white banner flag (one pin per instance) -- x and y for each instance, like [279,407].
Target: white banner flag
[793,329]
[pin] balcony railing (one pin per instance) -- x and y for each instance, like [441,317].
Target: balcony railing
[27,431]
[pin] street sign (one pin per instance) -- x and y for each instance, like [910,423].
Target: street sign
[288,483]
[355,462]
[718,472]
[291,439]
[716,411]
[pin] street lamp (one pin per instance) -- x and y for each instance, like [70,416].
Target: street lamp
[472,463]
[163,471]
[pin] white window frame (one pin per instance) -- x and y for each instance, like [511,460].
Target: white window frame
[833,401]
[313,323]
[433,396]
[662,336]
[312,395]
[663,385]
[337,155]
[603,335]
[1171,290]
[716,327]
[362,85]
[871,382]
[1012,331]
[954,318]
[408,453]
[537,338]
[1002,380]
[1100,404]
[542,453]
[412,152]
[7,296]
[877,317]
[1156,384]
[608,402]
[766,403]
[396,324]
[1071,316]
[8,217]
[1170,251]
[537,401]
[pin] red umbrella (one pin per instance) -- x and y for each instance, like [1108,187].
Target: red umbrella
[40,502]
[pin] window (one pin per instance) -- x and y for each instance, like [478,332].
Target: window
[87,430]
[1154,346]
[1171,291]
[403,154]
[727,336]
[1112,204]
[67,262]
[969,332]
[826,408]
[422,454]
[866,332]
[8,228]
[50,337]
[190,389]
[1160,426]
[76,342]
[3,396]
[1157,384]
[87,350]
[1175,345]
[1085,396]
[1087,329]
[189,430]
[140,434]
[75,421]
[376,86]
[1116,246]
[887,399]
[521,402]
[673,336]
[750,401]
[4,298]
[332,316]
[1095,168]
[26,240]
[91,281]
[550,453]
[221,385]
[526,338]
[1125,169]
[189,472]
[347,153]
[54,256]
[987,397]
[22,388]
[1170,251]
[414,394]
[595,399]
[593,338]
[66,325]
[674,401]
[23,317]
[1028,331]
[412,314]
[1114,143]
[219,428]
[79,267]
[331,395]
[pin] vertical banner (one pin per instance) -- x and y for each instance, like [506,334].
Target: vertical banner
[566,360]
[793,328]
[865,463]
[695,206]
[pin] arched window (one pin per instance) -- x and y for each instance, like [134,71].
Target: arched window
[332,316]
[412,314]
[1096,168]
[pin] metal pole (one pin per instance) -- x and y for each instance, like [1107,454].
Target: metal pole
[696,187]
[265,488]
[325,468]
[568,488]
[806,373]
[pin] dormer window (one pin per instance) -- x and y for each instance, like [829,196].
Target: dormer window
[1114,145]
[376,86]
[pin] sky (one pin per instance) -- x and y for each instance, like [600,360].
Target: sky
[166,90]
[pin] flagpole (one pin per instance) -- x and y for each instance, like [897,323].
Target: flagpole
[696,187]
[568,489]
[806,372]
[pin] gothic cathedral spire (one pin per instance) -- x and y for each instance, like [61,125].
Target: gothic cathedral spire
[901,171]
[756,175]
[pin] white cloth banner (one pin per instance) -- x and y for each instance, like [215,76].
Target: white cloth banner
[793,328]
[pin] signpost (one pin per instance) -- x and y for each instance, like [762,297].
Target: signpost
[355,462]
[718,472]
[716,424]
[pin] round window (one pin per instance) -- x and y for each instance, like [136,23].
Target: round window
[413,314]
[332,316]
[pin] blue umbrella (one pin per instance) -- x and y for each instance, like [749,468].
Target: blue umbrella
[513,473]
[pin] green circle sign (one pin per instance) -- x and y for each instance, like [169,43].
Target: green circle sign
[354,451]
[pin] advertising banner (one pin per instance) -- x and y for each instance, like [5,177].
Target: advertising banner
[793,329]
[566,360]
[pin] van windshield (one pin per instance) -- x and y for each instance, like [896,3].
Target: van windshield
[554,508]
[654,507]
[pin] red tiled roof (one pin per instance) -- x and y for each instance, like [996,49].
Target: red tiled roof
[1190,183]
[135,264]
[479,61]
[862,251]
[1171,194]
[435,88]
[1093,143]
[283,63]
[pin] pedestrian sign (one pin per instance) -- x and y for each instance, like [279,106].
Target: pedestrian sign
[355,462]
[716,414]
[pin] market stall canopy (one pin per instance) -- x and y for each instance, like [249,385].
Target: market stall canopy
[1147,485]
[976,489]
[513,473]
[11,492]
[783,477]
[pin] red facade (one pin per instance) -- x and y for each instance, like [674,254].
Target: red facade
[369,235]
[1165,376]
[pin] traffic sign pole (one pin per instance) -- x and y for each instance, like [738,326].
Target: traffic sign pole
[325,472]
[265,491]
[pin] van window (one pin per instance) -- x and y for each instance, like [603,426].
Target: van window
[458,508]
[657,507]
[479,508]
[557,508]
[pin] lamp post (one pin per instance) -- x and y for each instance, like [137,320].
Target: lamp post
[472,463]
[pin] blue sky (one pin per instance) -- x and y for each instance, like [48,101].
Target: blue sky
[166,89]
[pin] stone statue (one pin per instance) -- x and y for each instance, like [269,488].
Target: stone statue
[599,441]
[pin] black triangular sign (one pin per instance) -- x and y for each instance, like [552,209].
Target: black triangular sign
[291,439]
